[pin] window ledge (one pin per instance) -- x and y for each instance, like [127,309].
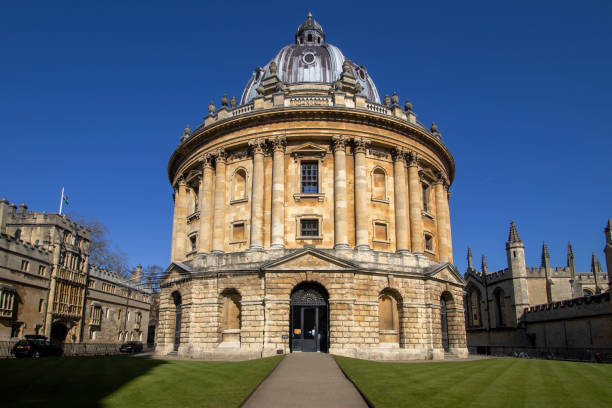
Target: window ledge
[300,196]
[239,200]
[238,242]
[427,214]
[388,332]
[430,252]
[380,241]
[191,253]
[380,200]
[309,237]
[193,216]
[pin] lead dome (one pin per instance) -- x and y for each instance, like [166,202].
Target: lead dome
[310,60]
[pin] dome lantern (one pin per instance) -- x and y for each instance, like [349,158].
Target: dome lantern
[310,32]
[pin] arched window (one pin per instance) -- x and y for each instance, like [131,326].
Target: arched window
[17,234]
[379,184]
[473,308]
[426,205]
[498,296]
[239,185]
[230,316]
[388,318]
[309,37]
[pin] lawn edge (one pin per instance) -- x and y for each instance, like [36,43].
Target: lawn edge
[367,401]
[260,382]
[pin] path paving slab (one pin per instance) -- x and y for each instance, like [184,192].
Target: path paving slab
[306,380]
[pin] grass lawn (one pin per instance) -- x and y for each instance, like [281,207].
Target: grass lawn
[128,382]
[503,382]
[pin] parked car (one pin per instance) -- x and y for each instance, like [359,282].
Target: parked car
[36,346]
[131,347]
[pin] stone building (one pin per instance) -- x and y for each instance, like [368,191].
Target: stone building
[310,216]
[523,306]
[47,286]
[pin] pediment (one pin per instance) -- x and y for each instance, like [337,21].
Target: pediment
[446,272]
[308,149]
[176,271]
[309,259]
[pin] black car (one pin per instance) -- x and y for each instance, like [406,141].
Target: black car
[131,347]
[36,346]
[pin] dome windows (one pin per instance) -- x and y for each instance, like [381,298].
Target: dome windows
[308,58]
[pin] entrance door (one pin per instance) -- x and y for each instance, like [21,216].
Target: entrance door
[444,324]
[308,322]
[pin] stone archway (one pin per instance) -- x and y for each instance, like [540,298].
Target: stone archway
[309,318]
[59,331]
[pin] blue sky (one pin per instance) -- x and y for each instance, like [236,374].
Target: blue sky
[94,97]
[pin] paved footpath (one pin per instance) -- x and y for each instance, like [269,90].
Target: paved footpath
[306,380]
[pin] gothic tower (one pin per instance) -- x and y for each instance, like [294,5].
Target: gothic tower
[515,252]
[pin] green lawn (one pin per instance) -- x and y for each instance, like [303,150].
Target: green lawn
[128,382]
[502,382]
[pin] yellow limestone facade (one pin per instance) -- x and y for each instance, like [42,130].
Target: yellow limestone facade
[310,216]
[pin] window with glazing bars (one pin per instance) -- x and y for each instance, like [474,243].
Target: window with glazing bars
[309,228]
[310,177]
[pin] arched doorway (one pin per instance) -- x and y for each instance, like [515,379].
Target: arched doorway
[309,318]
[58,333]
[444,324]
[177,322]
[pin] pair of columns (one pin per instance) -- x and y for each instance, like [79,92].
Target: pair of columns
[214,212]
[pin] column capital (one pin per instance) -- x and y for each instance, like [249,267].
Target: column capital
[220,155]
[278,143]
[206,160]
[339,142]
[398,154]
[257,146]
[360,144]
[441,179]
[180,182]
[413,159]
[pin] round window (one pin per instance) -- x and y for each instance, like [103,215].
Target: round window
[362,74]
[308,58]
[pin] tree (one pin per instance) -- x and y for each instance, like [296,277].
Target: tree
[100,252]
[152,275]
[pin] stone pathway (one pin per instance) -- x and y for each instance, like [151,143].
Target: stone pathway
[306,380]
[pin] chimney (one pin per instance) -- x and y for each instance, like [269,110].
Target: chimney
[4,209]
[22,209]
[137,274]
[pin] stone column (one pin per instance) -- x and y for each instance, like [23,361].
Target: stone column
[219,212]
[416,205]
[361,195]
[399,182]
[174,225]
[206,204]
[449,240]
[340,199]
[181,221]
[257,195]
[441,220]
[277,236]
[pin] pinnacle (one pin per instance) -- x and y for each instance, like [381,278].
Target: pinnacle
[513,236]
[469,258]
[545,255]
[484,265]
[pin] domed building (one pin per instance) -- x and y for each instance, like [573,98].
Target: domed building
[311,217]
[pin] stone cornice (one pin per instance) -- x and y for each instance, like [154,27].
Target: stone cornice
[203,135]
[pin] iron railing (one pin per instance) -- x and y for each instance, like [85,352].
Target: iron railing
[591,354]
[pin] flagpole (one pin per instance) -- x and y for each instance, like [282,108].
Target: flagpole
[61,201]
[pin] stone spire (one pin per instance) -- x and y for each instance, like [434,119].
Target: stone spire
[572,270]
[513,237]
[469,259]
[595,270]
[483,265]
[545,256]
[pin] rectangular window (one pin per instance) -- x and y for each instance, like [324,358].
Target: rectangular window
[238,232]
[425,206]
[42,270]
[119,314]
[41,305]
[25,265]
[310,177]
[428,243]
[192,240]
[380,231]
[309,228]
[91,283]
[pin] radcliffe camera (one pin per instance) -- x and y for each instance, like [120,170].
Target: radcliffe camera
[299,242]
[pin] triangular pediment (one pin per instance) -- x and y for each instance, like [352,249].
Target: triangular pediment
[308,149]
[446,272]
[176,271]
[309,260]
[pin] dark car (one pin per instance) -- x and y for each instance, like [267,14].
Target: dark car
[36,346]
[131,347]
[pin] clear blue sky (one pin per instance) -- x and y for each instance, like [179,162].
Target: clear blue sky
[94,97]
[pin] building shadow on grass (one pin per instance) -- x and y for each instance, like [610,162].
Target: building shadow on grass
[68,381]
